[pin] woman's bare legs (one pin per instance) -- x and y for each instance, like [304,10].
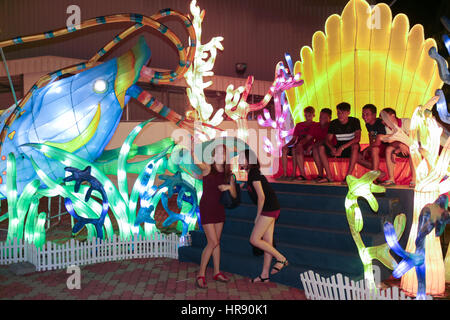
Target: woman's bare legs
[213,243]
[216,252]
[268,237]
[264,241]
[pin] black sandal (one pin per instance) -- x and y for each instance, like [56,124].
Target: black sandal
[284,264]
[262,280]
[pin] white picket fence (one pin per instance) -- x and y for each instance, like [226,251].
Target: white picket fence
[342,288]
[53,256]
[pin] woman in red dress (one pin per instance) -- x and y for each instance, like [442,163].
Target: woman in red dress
[217,177]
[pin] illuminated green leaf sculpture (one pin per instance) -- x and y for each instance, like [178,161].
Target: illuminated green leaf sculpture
[364,187]
[164,156]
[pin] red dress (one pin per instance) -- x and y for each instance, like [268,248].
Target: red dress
[211,210]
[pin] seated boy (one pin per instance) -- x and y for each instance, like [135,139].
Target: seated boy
[347,132]
[397,149]
[370,157]
[298,144]
[318,135]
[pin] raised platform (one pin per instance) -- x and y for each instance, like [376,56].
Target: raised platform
[338,167]
[312,232]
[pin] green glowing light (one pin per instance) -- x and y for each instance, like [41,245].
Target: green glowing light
[364,187]
[164,156]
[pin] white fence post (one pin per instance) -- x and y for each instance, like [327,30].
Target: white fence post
[334,287]
[340,285]
[342,288]
[52,256]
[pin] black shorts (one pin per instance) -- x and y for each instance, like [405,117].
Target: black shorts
[346,153]
[290,151]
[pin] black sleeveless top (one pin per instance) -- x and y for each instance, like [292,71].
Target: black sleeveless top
[271,200]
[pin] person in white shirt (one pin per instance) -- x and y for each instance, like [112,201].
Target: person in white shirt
[397,149]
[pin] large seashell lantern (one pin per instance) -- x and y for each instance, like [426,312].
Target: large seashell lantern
[364,57]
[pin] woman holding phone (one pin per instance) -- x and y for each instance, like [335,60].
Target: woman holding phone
[217,177]
[268,210]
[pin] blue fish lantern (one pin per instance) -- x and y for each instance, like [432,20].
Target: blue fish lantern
[78,114]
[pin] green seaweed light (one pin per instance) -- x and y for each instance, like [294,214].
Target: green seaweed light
[364,187]
[118,205]
[34,228]
[165,155]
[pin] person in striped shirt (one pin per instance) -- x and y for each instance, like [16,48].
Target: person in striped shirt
[347,132]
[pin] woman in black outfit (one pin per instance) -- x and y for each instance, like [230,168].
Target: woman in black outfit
[268,210]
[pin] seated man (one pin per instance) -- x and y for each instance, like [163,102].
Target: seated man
[347,131]
[299,145]
[318,135]
[370,157]
[397,149]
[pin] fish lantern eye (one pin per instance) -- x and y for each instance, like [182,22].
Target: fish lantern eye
[100,86]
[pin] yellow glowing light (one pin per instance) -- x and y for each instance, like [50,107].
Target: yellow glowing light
[364,56]
[431,167]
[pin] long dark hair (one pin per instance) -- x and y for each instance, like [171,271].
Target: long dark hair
[226,165]
[251,159]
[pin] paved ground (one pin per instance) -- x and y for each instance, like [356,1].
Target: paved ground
[149,279]
[145,279]
[132,279]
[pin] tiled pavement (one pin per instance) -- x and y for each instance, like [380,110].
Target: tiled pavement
[160,278]
[144,279]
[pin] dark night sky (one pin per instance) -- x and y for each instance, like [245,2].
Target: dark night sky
[425,12]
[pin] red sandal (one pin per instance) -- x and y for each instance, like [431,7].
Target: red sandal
[223,279]
[203,286]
